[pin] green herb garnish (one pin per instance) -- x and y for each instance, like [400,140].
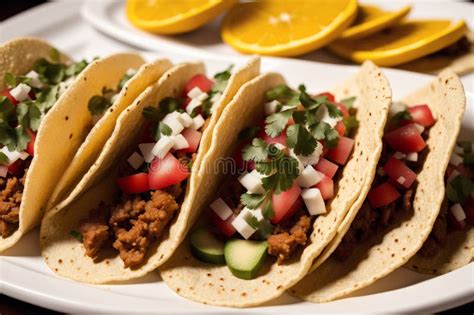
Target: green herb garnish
[459,189]
[98,104]
[77,235]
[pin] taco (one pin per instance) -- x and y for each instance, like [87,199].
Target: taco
[130,210]
[404,198]
[44,120]
[304,161]
[450,244]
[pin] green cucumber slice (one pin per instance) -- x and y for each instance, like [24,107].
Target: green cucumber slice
[206,247]
[245,258]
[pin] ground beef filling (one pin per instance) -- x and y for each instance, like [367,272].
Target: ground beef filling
[438,235]
[131,225]
[287,237]
[11,192]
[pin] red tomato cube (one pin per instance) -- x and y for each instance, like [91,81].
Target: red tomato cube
[330,96]
[200,81]
[326,187]
[283,202]
[342,151]
[281,138]
[340,128]
[30,148]
[225,227]
[405,139]
[326,167]
[166,172]
[16,167]
[134,184]
[399,172]
[6,93]
[193,137]
[421,114]
[343,109]
[383,195]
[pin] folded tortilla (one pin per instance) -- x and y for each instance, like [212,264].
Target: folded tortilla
[63,253]
[393,246]
[214,284]
[66,126]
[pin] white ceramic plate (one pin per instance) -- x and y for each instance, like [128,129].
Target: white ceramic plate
[23,274]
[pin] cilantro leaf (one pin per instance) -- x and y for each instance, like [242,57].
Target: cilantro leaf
[300,140]
[332,138]
[285,171]
[267,211]
[333,111]
[98,105]
[54,55]
[253,222]
[257,151]
[77,235]
[75,68]
[350,123]
[275,123]
[221,79]
[252,201]
[459,189]
[348,102]
[152,113]
[281,93]
[399,117]
[7,110]
[165,129]
[47,98]
[3,159]
[305,99]
[169,105]
[249,133]
[126,77]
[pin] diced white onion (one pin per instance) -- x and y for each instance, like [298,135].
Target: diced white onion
[420,128]
[458,212]
[286,107]
[180,142]
[257,213]
[195,92]
[135,160]
[309,177]
[34,79]
[313,158]
[455,159]
[173,121]
[20,92]
[401,180]
[24,155]
[314,201]
[12,156]
[185,119]
[221,209]
[271,107]
[396,108]
[413,156]
[163,146]
[192,105]
[240,224]
[399,155]
[198,122]
[147,151]
[202,97]
[252,182]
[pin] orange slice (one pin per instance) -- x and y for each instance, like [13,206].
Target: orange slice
[174,16]
[286,28]
[404,42]
[371,19]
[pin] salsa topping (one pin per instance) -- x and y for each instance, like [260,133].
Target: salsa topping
[392,192]
[153,180]
[289,161]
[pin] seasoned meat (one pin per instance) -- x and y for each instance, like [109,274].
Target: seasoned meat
[11,192]
[147,220]
[283,244]
[95,231]
[438,234]
[131,225]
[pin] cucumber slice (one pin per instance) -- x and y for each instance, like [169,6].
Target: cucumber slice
[245,258]
[206,247]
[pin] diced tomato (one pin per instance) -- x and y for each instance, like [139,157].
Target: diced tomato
[343,109]
[421,114]
[6,93]
[281,138]
[225,227]
[166,172]
[187,100]
[294,208]
[193,137]
[469,210]
[134,184]
[16,167]
[325,150]
[200,81]
[30,148]
[291,121]
[147,136]
[326,167]
[454,223]
[283,202]
[330,96]
[341,152]
[340,128]
[396,169]
[326,187]
[382,195]
[405,139]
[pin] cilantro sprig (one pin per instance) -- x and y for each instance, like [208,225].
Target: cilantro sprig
[459,189]
[155,115]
